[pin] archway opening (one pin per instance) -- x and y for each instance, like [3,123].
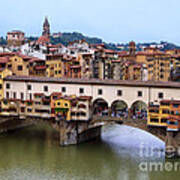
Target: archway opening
[138,110]
[100,107]
[119,108]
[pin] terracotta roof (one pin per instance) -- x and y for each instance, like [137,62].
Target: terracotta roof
[23,56]
[170,101]
[38,94]
[109,51]
[75,66]
[16,32]
[56,94]
[54,55]
[150,53]
[117,61]
[7,54]
[40,67]
[35,60]
[55,45]
[85,97]
[4,60]
[43,40]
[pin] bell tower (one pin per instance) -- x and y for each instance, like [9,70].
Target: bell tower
[46,28]
[132,48]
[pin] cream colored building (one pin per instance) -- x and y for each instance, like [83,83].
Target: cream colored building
[109,90]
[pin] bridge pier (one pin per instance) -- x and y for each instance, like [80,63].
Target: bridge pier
[172,144]
[75,132]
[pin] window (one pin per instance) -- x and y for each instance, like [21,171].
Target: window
[100,91]
[165,111]
[161,76]
[139,93]
[22,109]
[119,93]
[81,90]
[46,88]
[0,86]
[7,95]
[29,87]
[154,120]
[7,86]
[63,89]
[176,105]
[29,110]
[20,68]
[30,96]
[14,95]
[163,120]
[73,113]
[161,64]
[161,95]
[22,96]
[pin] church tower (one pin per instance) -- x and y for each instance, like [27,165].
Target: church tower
[46,28]
[132,48]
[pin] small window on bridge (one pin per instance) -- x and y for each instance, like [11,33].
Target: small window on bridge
[100,91]
[30,96]
[22,96]
[46,88]
[119,93]
[139,93]
[81,90]
[7,86]
[63,89]
[29,87]
[14,95]
[161,95]
[7,95]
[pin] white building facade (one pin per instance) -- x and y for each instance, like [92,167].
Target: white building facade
[108,90]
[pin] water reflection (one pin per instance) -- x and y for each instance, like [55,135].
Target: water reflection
[34,154]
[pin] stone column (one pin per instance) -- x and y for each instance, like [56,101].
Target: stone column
[171,145]
[109,111]
[68,133]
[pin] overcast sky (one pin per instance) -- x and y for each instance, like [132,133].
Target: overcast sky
[111,20]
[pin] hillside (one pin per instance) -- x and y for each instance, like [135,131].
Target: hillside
[66,37]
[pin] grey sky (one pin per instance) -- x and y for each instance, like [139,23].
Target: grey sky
[115,20]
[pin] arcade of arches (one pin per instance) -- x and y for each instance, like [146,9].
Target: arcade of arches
[119,108]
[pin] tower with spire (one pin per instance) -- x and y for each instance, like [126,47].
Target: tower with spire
[46,28]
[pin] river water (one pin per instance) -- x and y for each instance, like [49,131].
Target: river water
[124,153]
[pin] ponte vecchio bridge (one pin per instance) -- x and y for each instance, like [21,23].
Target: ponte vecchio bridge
[105,94]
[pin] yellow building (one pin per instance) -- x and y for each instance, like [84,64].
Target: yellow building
[63,108]
[19,65]
[159,67]
[3,73]
[54,65]
[158,114]
[159,64]
[4,110]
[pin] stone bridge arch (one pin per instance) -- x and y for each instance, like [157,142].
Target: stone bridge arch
[100,107]
[138,110]
[119,108]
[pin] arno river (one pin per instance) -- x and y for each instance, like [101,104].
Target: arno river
[34,154]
